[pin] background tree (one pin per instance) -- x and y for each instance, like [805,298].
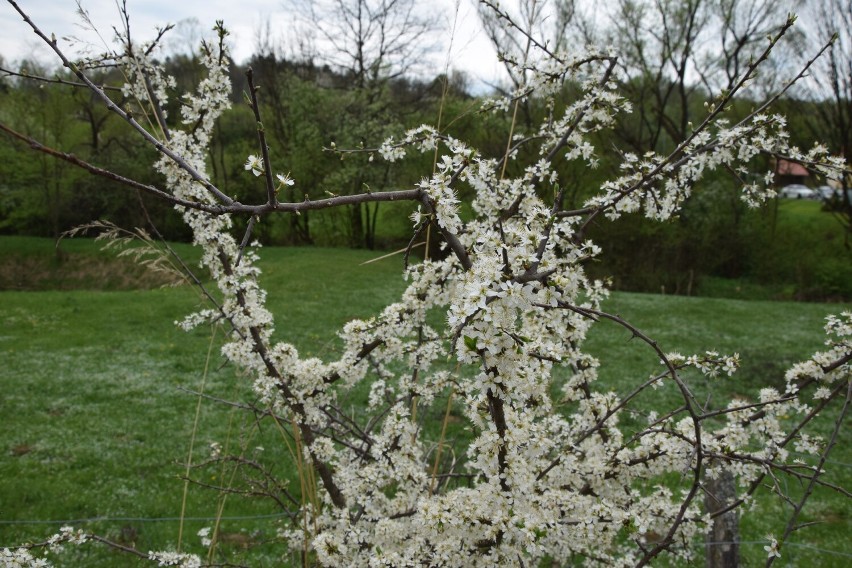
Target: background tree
[38,193]
[673,56]
[307,103]
[372,43]
[513,29]
[831,87]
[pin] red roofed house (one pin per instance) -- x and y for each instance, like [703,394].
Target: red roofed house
[787,172]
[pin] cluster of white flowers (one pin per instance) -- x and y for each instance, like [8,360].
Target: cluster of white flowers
[711,364]
[21,558]
[148,82]
[543,483]
[821,367]
[179,559]
[659,184]
[765,424]
[69,535]
[543,469]
[204,534]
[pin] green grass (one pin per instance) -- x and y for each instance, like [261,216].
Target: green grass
[806,252]
[95,423]
[799,254]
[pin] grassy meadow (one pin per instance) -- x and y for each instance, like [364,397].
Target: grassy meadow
[98,410]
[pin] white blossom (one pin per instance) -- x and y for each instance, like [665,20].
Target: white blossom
[254,164]
[772,548]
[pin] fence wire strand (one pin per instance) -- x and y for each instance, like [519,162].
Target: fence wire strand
[138,519]
[786,544]
[279,515]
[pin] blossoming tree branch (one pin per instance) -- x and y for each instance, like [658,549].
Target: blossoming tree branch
[546,471]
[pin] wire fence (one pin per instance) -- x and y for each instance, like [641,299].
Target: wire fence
[832,462]
[140,519]
[785,545]
[818,549]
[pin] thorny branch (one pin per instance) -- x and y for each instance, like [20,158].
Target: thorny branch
[378,474]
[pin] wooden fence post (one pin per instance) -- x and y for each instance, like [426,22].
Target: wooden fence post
[723,538]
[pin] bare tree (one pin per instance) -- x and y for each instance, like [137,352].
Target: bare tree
[673,53]
[831,86]
[513,31]
[658,43]
[743,27]
[372,40]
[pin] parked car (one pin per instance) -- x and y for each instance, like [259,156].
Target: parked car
[798,191]
[826,192]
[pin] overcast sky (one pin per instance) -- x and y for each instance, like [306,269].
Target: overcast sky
[471,50]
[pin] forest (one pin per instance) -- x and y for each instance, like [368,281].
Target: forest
[312,107]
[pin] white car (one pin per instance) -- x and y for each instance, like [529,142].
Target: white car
[827,193]
[798,191]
